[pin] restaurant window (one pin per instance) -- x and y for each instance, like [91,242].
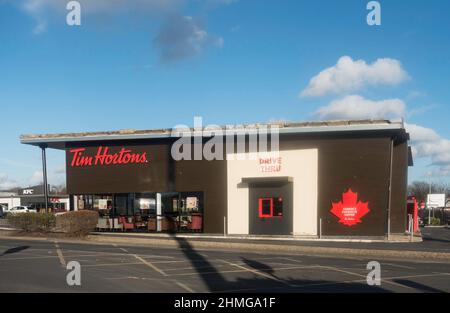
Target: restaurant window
[144,204]
[103,205]
[270,207]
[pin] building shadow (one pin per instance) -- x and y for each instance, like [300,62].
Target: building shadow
[418,286]
[267,282]
[259,266]
[14,250]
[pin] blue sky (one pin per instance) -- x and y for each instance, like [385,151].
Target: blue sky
[159,63]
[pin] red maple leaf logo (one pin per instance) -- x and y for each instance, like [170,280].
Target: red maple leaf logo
[350,210]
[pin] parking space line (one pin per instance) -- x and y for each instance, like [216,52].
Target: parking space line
[150,265]
[243,270]
[257,272]
[188,289]
[60,254]
[29,258]
[418,276]
[93,253]
[356,274]
[365,277]
[213,266]
[112,264]
[399,266]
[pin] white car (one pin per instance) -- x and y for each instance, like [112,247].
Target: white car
[21,209]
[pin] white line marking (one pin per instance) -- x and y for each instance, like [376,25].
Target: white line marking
[112,264]
[257,272]
[60,255]
[188,289]
[150,265]
[397,265]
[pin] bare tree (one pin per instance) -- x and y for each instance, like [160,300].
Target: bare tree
[420,189]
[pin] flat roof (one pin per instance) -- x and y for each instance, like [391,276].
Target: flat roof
[57,140]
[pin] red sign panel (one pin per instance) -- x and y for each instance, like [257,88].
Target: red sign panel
[265,206]
[103,157]
[350,210]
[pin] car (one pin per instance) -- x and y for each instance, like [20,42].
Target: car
[21,209]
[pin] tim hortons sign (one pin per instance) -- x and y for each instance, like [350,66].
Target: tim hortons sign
[350,210]
[104,157]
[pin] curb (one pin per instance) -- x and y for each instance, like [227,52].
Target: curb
[288,249]
[250,247]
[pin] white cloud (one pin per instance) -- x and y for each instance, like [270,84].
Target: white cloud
[40,27]
[350,76]
[179,36]
[54,177]
[7,183]
[357,107]
[427,143]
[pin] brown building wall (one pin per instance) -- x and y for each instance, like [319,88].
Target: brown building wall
[399,187]
[359,163]
[211,178]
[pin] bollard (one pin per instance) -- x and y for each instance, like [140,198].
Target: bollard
[224,226]
[320,228]
[411,227]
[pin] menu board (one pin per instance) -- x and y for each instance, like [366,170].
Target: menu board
[191,202]
[102,204]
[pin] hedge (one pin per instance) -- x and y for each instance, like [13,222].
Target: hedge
[77,223]
[31,222]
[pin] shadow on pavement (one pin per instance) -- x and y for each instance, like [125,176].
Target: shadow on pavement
[266,282]
[418,286]
[14,250]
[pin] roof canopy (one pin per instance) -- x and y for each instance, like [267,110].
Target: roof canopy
[58,141]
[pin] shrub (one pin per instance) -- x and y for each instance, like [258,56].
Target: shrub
[435,221]
[77,223]
[31,222]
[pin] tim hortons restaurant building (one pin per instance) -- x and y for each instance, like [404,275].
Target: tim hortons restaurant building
[331,179]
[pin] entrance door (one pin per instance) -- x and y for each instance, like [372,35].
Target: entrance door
[270,209]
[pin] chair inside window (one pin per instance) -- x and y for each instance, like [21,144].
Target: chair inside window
[195,224]
[125,223]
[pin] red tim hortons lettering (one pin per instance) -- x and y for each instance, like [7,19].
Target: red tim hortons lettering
[103,157]
[78,159]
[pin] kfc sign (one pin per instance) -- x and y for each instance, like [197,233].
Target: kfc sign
[104,157]
[350,210]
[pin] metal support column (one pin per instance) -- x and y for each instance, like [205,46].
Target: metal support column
[44,174]
[391,161]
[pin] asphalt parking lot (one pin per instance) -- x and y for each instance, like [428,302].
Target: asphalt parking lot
[40,266]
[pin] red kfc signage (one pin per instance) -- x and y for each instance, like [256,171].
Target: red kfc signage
[350,210]
[104,157]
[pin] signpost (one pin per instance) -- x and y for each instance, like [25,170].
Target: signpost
[434,201]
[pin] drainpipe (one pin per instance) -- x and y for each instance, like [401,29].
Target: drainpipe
[44,174]
[390,190]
